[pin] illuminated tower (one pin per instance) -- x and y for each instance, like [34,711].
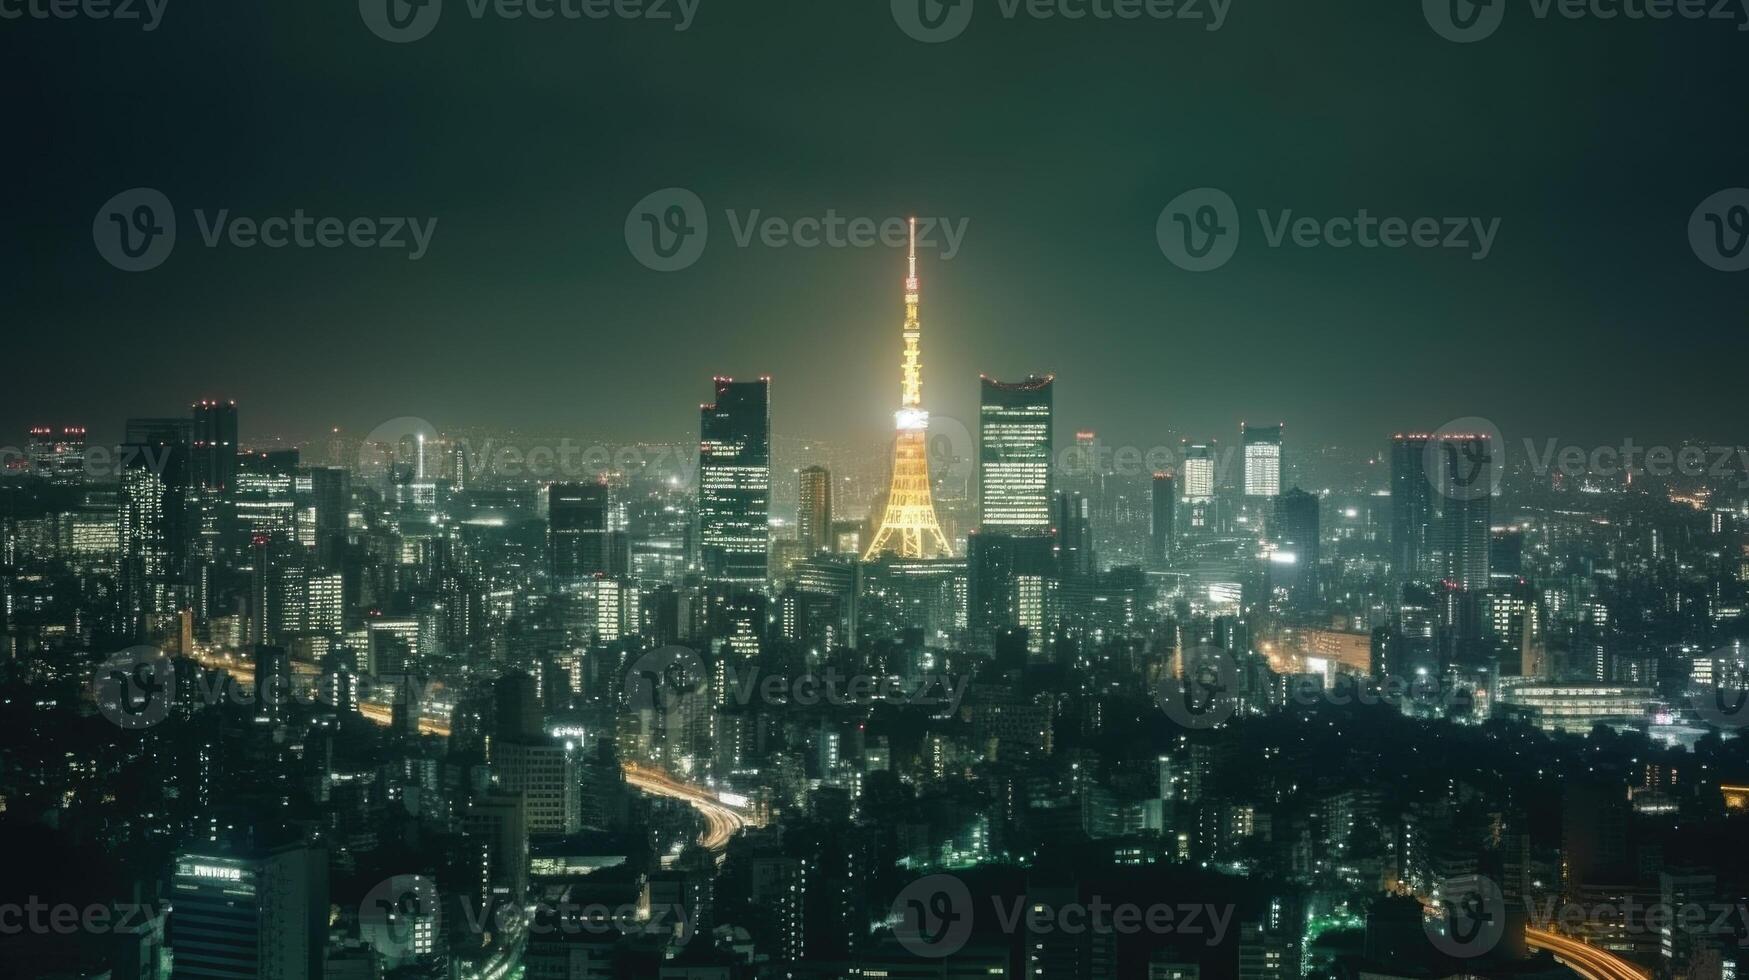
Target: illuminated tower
[908,528]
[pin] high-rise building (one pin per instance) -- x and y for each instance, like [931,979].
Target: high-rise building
[734,483]
[908,527]
[1441,508]
[1464,475]
[213,448]
[1014,455]
[1074,527]
[1294,527]
[814,511]
[577,531]
[154,517]
[1262,446]
[1411,509]
[1199,473]
[1163,513]
[260,916]
[58,455]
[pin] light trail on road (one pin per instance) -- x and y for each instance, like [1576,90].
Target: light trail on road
[1587,961]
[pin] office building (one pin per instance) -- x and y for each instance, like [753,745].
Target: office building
[261,916]
[734,483]
[1262,446]
[213,446]
[1014,455]
[814,511]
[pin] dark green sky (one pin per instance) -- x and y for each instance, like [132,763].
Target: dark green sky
[1059,142]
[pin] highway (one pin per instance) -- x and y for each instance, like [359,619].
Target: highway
[1587,961]
[722,821]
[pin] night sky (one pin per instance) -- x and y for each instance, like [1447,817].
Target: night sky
[1058,141]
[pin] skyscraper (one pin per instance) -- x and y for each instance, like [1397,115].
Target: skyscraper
[263,914]
[1262,444]
[814,511]
[1411,509]
[1014,455]
[1163,514]
[1295,529]
[734,483]
[213,448]
[1199,473]
[908,527]
[154,527]
[1442,508]
[1074,524]
[1464,466]
[577,531]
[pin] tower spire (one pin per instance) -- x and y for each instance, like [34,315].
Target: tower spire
[909,527]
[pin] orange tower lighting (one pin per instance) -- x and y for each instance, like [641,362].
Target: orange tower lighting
[909,528]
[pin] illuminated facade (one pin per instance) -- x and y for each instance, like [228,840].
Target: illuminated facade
[908,527]
[1014,455]
[734,483]
[1262,460]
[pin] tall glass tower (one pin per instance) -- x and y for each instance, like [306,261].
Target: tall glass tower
[734,483]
